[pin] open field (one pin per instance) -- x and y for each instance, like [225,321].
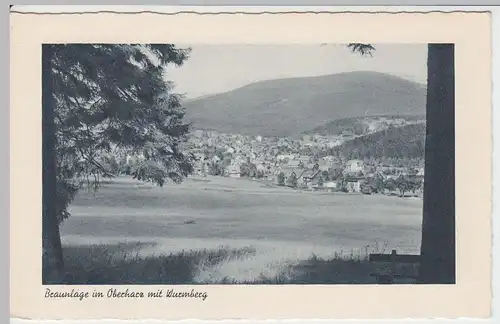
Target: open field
[236,230]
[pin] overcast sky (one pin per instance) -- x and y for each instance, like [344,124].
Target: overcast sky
[219,68]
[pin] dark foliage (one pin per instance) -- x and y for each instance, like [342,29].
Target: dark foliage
[113,100]
[395,142]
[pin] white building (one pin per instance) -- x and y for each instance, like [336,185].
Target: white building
[353,186]
[261,167]
[354,166]
[198,133]
[282,157]
[330,184]
[234,171]
[335,143]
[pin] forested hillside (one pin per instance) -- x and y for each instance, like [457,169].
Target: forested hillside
[395,142]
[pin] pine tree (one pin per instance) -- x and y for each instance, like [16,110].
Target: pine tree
[105,100]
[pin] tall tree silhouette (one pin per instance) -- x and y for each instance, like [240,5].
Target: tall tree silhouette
[438,263]
[51,240]
[98,100]
[438,227]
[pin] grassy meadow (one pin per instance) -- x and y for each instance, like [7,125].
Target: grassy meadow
[219,230]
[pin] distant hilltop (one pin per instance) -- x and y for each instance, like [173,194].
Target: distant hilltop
[289,107]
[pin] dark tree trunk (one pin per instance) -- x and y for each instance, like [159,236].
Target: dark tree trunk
[438,226]
[51,241]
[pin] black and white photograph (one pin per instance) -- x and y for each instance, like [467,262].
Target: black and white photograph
[239,164]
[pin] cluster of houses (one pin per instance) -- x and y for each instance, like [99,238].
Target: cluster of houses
[349,176]
[283,162]
[328,173]
[278,161]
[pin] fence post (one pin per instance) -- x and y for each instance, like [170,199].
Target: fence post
[393,262]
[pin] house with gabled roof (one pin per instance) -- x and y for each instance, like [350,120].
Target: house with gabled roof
[306,176]
[316,180]
[354,166]
[353,183]
[233,170]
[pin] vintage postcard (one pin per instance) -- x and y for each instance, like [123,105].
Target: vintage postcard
[273,165]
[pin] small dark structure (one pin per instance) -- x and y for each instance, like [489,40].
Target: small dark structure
[388,276]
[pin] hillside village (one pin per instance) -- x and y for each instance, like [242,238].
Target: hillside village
[272,138]
[302,163]
[307,162]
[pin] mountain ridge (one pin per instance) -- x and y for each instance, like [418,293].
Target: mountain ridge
[289,106]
